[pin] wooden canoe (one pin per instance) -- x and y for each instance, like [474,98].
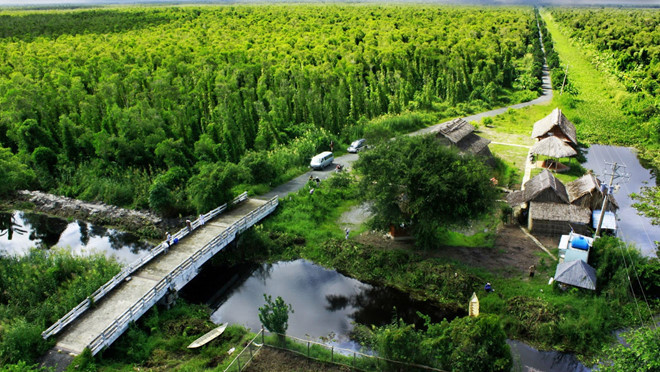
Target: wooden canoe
[211,335]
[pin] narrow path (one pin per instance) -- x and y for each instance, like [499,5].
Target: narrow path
[510,144]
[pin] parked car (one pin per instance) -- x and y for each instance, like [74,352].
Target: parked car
[322,160]
[357,145]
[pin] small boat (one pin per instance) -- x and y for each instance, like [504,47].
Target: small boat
[210,336]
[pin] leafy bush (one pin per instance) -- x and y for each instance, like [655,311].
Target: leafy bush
[464,344]
[13,172]
[22,341]
[38,289]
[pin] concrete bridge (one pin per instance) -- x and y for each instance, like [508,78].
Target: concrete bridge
[98,321]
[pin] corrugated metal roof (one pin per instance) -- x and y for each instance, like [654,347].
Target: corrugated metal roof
[576,273]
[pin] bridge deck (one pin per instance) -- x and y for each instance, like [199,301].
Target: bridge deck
[81,333]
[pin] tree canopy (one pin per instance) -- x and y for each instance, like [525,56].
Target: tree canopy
[275,315]
[123,95]
[464,344]
[421,183]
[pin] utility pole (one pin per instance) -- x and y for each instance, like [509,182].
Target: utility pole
[614,175]
[561,91]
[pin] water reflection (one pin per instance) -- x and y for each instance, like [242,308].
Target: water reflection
[633,228]
[325,302]
[526,358]
[21,231]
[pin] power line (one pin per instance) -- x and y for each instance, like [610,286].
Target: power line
[607,190]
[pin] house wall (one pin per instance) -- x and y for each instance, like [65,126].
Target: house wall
[556,131]
[556,228]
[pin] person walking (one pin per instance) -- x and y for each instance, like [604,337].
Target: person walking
[347,231]
[332,146]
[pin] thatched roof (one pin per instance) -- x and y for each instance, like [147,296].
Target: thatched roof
[544,180]
[587,184]
[556,118]
[473,143]
[559,212]
[454,130]
[576,273]
[553,147]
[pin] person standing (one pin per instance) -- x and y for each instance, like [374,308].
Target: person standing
[347,231]
[201,219]
[332,146]
[189,225]
[532,269]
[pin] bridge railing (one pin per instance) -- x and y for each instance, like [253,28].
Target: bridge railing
[130,269]
[177,278]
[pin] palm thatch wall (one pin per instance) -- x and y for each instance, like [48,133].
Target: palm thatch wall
[558,219]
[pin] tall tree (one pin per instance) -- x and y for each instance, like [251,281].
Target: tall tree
[419,182]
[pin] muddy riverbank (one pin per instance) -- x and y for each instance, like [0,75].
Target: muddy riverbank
[143,223]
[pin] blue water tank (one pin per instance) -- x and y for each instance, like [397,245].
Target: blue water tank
[580,242]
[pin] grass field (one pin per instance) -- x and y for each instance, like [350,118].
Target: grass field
[595,107]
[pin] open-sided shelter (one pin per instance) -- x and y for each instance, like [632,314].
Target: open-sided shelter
[554,148]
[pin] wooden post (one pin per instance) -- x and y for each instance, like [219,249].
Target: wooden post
[308,349]
[561,91]
[332,354]
[262,335]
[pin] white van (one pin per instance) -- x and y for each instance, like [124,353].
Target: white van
[322,160]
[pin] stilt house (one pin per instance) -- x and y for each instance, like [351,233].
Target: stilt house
[557,125]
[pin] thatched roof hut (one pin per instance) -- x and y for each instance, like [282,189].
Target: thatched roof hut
[555,124]
[553,147]
[586,192]
[543,188]
[576,273]
[460,133]
[557,219]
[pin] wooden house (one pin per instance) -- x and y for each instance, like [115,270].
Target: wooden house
[546,204]
[544,188]
[558,219]
[557,125]
[586,192]
[460,133]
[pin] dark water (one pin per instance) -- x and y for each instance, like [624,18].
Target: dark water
[526,358]
[326,303]
[21,231]
[633,228]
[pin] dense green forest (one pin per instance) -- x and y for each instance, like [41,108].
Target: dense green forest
[625,43]
[163,107]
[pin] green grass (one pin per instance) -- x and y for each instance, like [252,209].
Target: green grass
[159,340]
[596,108]
[513,155]
[572,174]
[519,122]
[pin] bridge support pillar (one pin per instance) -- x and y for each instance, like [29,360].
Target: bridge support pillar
[169,299]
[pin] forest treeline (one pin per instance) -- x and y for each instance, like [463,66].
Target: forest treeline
[627,42]
[171,107]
